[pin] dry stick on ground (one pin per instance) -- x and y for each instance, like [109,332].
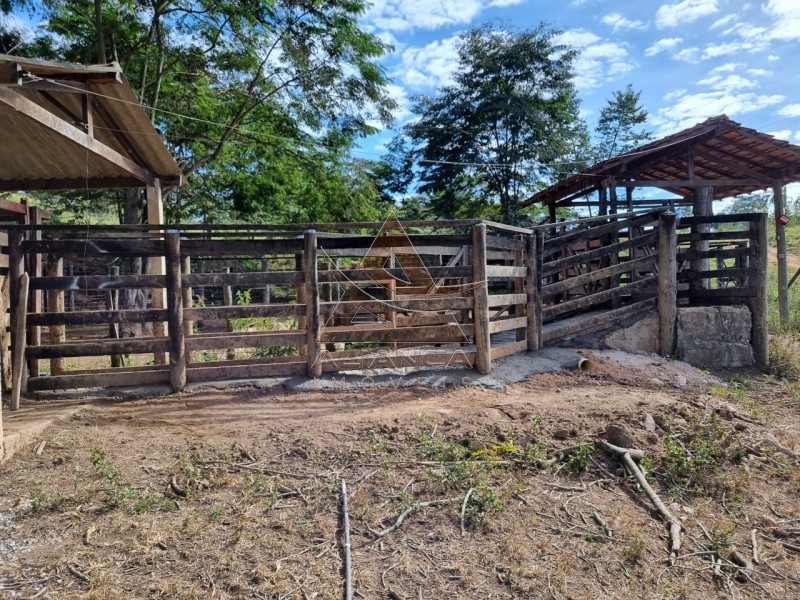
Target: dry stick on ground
[348,579]
[410,510]
[778,447]
[753,541]
[464,512]
[626,456]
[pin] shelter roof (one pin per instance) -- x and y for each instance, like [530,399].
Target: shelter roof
[718,153]
[71,126]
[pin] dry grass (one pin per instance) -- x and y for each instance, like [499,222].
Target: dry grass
[98,502]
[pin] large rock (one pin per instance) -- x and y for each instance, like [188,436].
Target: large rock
[715,336]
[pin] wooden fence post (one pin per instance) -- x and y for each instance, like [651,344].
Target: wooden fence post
[667,282]
[758,280]
[55,303]
[18,357]
[177,341]
[480,307]
[16,267]
[534,330]
[35,296]
[310,274]
[227,300]
[112,303]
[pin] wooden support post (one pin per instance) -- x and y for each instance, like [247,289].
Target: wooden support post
[227,300]
[313,328]
[539,235]
[780,244]
[16,267]
[519,288]
[5,334]
[667,282]
[155,216]
[551,211]
[71,296]
[19,379]
[186,269]
[532,334]
[702,207]
[629,198]
[603,204]
[480,306]
[35,296]
[301,299]
[177,341]
[613,192]
[55,303]
[112,303]
[759,337]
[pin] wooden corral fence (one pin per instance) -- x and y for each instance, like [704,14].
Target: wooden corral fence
[242,302]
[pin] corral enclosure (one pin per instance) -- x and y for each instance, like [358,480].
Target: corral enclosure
[243,302]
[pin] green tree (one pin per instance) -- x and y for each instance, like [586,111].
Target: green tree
[277,90]
[621,126]
[484,143]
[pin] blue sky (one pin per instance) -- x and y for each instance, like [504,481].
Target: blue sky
[691,59]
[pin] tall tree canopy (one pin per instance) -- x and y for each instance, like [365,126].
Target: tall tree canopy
[621,126]
[261,101]
[507,123]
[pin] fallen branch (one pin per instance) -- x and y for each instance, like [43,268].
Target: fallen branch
[464,512]
[778,447]
[177,490]
[78,574]
[417,506]
[754,543]
[348,578]
[626,457]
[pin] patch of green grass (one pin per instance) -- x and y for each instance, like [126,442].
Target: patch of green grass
[579,460]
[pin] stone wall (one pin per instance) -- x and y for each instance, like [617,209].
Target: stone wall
[715,336]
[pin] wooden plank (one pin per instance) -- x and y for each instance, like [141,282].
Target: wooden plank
[363,360]
[197,373]
[506,299]
[556,244]
[250,339]
[714,235]
[389,241]
[508,349]
[243,311]
[385,275]
[98,282]
[100,348]
[4,261]
[503,271]
[720,253]
[493,241]
[562,286]
[177,346]
[531,330]
[255,248]
[712,274]
[549,313]
[507,324]
[439,334]
[739,292]
[690,183]
[93,247]
[432,303]
[313,324]
[242,279]
[480,307]
[562,264]
[97,317]
[359,251]
[103,379]
[602,319]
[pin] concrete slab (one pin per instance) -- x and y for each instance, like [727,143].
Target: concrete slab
[25,426]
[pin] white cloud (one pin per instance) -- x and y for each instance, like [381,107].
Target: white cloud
[758,72]
[406,15]
[428,67]
[616,21]
[726,49]
[675,94]
[662,46]
[787,19]
[687,11]
[773,58]
[783,134]
[690,55]
[694,108]
[730,84]
[577,38]
[723,21]
[790,110]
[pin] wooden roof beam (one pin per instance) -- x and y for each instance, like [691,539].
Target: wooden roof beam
[695,183]
[46,119]
[732,164]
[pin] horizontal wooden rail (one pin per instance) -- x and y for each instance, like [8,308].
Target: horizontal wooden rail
[562,264]
[492,241]
[372,274]
[717,253]
[98,282]
[248,339]
[507,299]
[432,303]
[712,274]
[508,324]
[258,279]
[101,379]
[503,271]
[556,244]
[255,248]
[593,322]
[715,219]
[549,313]
[508,349]
[714,235]
[563,286]
[115,247]
[428,335]
[99,348]
[209,313]
[96,317]
[333,362]
[221,371]
[391,241]
[732,292]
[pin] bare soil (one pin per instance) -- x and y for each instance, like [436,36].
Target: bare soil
[254,506]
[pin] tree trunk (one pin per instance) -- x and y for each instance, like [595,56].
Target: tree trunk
[98,24]
[702,207]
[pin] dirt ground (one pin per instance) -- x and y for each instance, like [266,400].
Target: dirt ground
[236,493]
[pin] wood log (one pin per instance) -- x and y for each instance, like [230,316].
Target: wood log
[99,348]
[312,313]
[480,308]
[177,346]
[667,283]
[18,356]
[757,280]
